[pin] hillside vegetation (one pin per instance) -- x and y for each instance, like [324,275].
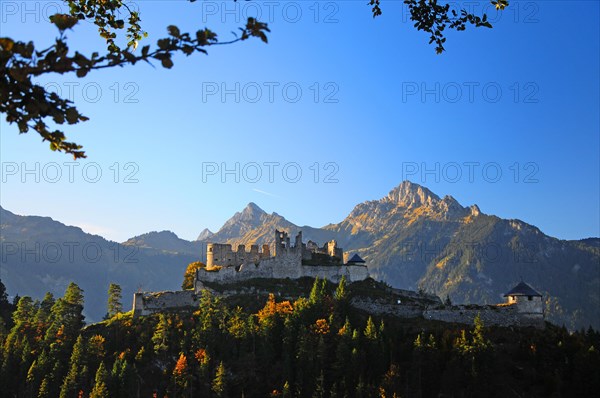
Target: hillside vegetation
[313,346]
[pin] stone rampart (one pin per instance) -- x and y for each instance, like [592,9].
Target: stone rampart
[147,303]
[504,315]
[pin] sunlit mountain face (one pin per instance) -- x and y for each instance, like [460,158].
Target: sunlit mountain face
[411,239]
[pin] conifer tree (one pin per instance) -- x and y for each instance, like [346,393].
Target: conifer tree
[160,339]
[73,381]
[340,292]
[44,391]
[219,385]
[100,389]
[370,330]
[114,300]
[315,292]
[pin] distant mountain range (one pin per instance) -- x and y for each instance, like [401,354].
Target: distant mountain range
[411,238]
[39,254]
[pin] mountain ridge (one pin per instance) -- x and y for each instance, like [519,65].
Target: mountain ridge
[413,239]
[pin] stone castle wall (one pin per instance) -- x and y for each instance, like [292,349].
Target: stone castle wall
[148,303]
[491,315]
[285,265]
[224,255]
[381,307]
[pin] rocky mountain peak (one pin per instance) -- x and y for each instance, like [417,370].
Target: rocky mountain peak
[252,209]
[409,194]
[250,217]
[205,234]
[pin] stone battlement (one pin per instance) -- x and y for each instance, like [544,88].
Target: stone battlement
[147,303]
[225,265]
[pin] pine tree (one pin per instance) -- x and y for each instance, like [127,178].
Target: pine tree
[160,339]
[219,385]
[370,330]
[100,389]
[72,382]
[67,313]
[340,292]
[315,292]
[42,315]
[114,300]
[44,391]
[25,311]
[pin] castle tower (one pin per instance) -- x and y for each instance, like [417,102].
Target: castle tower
[210,255]
[526,299]
[282,242]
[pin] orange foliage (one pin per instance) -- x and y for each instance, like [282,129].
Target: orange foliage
[96,345]
[181,366]
[273,308]
[321,326]
[201,356]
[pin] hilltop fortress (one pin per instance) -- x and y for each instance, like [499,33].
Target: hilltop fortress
[225,265]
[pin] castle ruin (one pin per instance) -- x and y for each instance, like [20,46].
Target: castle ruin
[225,265]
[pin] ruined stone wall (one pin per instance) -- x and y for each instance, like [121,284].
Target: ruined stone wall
[385,307]
[403,307]
[148,303]
[218,254]
[490,315]
[284,265]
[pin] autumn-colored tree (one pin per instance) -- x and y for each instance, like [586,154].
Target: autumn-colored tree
[189,278]
[370,331]
[272,308]
[321,327]
[181,374]
[476,342]
[219,385]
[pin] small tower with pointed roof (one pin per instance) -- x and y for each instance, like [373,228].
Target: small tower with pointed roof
[526,299]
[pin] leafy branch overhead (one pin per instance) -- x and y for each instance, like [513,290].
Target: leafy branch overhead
[432,17]
[31,106]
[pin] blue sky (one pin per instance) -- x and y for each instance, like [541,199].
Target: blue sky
[507,118]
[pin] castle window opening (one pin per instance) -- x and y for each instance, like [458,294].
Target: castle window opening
[529,298]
